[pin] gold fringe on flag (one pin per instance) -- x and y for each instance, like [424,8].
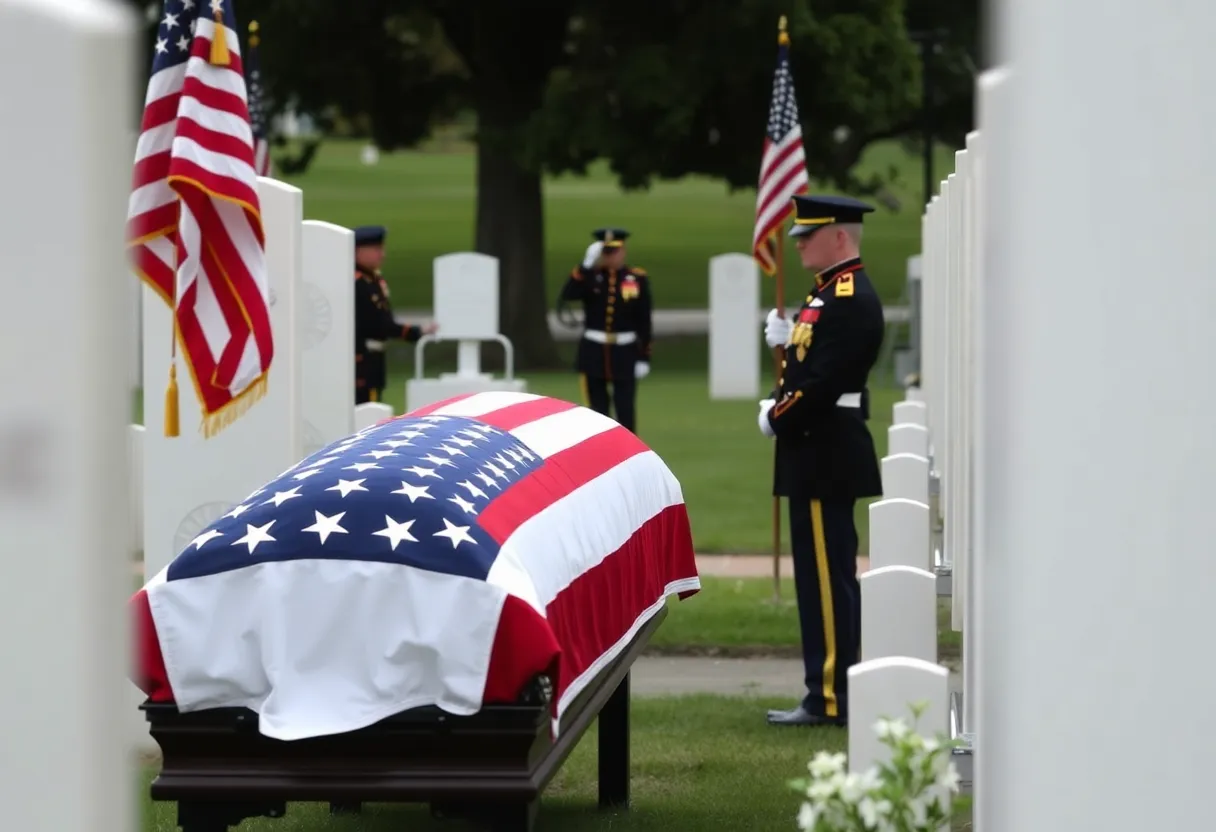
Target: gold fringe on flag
[235,409]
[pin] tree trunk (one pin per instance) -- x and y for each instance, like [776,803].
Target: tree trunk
[511,227]
[511,64]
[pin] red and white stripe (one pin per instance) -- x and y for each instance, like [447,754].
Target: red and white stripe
[261,157]
[582,532]
[194,219]
[782,175]
[592,543]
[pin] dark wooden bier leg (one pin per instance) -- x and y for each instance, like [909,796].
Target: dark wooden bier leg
[515,817]
[203,817]
[614,748]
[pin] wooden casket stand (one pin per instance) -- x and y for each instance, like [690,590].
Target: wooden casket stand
[490,767]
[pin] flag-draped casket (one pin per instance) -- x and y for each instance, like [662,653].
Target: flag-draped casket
[446,557]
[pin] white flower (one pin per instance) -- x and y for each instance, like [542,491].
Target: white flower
[806,817]
[930,745]
[890,729]
[852,790]
[870,779]
[872,811]
[822,791]
[825,764]
[918,808]
[950,779]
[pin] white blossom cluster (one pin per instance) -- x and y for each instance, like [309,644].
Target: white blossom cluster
[909,793]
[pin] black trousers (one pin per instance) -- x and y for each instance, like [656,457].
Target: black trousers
[596,396]
[824,543]
[367,394]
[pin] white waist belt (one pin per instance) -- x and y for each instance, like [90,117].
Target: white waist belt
[600,337]
[373,346]
[849,400]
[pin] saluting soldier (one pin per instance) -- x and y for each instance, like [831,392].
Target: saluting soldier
[825,458]
[374,321]
[615,344]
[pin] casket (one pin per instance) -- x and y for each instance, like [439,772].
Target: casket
[431,610]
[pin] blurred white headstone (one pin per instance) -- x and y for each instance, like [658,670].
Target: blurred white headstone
[326,330]
[67,80]
[734,339]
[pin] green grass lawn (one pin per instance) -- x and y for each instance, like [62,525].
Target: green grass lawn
[427,201]
[700,763]
[737,617]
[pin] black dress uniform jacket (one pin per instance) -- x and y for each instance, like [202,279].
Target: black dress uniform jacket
[615,301]
[824,449]
[374,325]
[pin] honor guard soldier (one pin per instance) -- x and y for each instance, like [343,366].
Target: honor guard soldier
[374,321]
[825,458]
[615,344]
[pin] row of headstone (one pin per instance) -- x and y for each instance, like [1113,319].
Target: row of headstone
[899,661]
[952,266]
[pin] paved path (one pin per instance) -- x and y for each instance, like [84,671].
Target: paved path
[676,675]
[667,322]
[754,566]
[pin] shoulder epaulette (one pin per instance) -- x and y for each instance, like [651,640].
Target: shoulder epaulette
[844,285]
[577,273]
[639,271]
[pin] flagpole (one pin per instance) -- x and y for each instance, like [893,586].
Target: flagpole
[783,39]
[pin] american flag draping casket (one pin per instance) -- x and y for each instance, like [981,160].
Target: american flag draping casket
[445,557]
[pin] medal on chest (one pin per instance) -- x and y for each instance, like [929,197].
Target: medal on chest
[629,288]
[804,331]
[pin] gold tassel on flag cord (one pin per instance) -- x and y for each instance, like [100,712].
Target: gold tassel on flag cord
[219,41]
[172,417]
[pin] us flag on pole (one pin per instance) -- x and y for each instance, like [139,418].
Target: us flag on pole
[783,166]
[194,224]
[444,558]
[257,106]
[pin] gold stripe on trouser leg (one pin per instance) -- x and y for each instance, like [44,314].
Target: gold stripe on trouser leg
[373,395]
[826,610]
[583,391]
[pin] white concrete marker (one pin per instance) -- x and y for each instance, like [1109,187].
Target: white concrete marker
[67,83]
[326,332]
[734,340]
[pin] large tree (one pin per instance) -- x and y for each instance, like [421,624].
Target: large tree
[659,88]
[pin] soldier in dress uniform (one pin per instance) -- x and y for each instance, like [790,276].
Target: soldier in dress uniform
[825,458]
[615,344]
[374,322]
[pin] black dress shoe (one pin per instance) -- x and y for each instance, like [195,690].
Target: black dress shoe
[799,716]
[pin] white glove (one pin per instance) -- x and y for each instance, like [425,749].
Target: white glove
[641,369]
[777,330]
[765,406]
[593,254]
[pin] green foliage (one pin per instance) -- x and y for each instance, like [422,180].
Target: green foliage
[661,89]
